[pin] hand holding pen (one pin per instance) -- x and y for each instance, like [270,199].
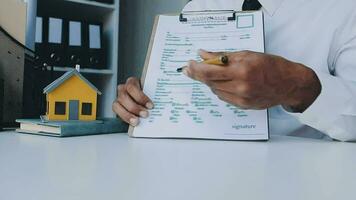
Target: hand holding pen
[219,60]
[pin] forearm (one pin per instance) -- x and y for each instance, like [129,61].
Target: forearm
[333,112]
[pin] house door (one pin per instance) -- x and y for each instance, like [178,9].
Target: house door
[73,110]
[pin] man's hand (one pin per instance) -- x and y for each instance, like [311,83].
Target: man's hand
[257,81]
[131,102]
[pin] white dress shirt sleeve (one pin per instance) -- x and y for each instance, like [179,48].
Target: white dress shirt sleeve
[198,5]
[334,111]
[191,6]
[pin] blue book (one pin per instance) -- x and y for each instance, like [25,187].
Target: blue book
[71,128]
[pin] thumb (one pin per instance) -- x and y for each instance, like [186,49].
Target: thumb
[205,55]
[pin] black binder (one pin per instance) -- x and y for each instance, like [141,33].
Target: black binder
[76,44]
[54,35]
[96,53]
[41,38]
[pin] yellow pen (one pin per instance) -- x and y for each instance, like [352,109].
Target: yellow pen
[220,60]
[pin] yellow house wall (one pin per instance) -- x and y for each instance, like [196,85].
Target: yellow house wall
[72,89]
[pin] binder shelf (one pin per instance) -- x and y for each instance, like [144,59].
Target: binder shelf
[85,71]
[87,18]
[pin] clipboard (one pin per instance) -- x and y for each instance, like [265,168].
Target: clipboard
[186,17]
[183,17]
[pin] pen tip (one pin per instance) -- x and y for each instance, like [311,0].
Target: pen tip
[180,69]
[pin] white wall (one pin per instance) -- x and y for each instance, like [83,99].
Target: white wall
[136,21]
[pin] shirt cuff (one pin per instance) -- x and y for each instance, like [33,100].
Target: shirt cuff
[332,102]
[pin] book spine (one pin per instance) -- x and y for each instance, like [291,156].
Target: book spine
[109,126]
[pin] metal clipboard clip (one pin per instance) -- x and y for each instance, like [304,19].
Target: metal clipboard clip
[208,15]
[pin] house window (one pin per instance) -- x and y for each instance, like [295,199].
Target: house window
[86,109]
[60,108]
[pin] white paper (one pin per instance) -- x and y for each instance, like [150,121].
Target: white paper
[185,108]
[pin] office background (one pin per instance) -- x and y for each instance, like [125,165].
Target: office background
[126,30]
[103,77]
[136,21]
[115,167]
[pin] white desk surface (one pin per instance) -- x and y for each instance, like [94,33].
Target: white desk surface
[121,168]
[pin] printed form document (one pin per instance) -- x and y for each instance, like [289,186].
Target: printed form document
[185,108]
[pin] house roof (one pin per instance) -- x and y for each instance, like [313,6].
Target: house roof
[65,77]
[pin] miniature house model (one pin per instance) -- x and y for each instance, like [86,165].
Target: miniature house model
[71,97]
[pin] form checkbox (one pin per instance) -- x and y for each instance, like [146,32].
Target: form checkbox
[245,21]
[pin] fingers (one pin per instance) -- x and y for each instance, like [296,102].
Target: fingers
[124,114]
[131,102]
[133,88]
[241,102]
[205,55]
[205,72]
